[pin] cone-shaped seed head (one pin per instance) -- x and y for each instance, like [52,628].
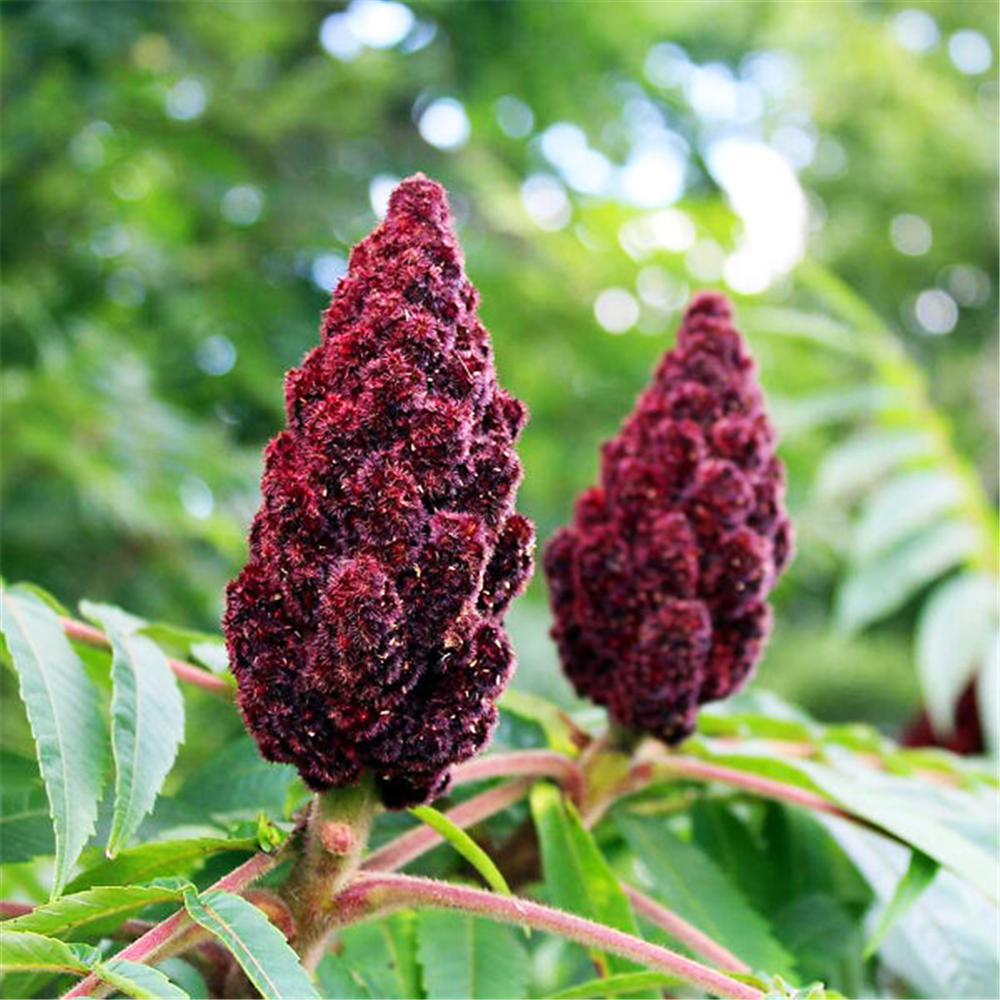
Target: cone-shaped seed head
[365,632]
[659,584]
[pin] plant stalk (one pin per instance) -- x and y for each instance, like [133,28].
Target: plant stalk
[332,844]
[370,896]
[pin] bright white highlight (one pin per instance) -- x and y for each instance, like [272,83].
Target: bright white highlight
[379,24]
[916,30]
[186,99]
[445,124]
[936,311]
[970,52]
[766,194]
[545,200]
[910,235]
[616,310]
[379,190]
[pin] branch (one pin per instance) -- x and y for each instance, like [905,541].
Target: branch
[530,763]
[768,788]
[164,938]
[188,672]
[421,839]
[677,927]
[372,896]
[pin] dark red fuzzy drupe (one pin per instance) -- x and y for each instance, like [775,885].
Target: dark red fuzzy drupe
[366,630]
[660,582]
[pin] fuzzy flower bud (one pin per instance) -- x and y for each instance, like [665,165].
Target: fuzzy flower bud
[365,632]
[659,584]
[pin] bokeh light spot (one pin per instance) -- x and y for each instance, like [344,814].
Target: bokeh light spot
[616,310]
[445,124]
[379,191]
[910,234]
[970,52]
[338,38]
[513,116]
[186,99]
[327,269]
[197,497]
[242,205]
[379,24]
[546,201]
[916,30]
[216,355]
[936,311]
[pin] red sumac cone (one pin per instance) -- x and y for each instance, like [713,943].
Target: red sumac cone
[365,632]
[659,584]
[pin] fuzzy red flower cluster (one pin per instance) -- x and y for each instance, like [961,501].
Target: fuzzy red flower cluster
[365,632]
[659,584]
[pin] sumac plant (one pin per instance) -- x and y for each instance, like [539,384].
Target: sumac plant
[401,823]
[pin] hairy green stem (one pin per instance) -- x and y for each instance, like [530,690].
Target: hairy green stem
[371,896]
[332,844]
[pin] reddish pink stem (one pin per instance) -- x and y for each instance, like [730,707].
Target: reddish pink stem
[9,909]
[529,763]
[691,767]
[188,672]
[376,895]
[421,839]
[677,927]
[154,944]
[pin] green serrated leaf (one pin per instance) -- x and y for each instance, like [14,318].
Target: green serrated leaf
[66,723]
[470,958]
[145,862]
[957,625]
[918,876]
[139,981]
[93,911]
[465,846]
[24,951]
[259,947]
[25,823]
[147,719]
[577,875]
[686,880]
[624,984]
[876,589]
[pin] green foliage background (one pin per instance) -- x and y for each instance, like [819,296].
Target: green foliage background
[130,471]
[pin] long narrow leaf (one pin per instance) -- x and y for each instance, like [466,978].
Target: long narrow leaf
[22,951]
[626,983]
[93,910]
[465,846]
[260,948]
[147,720]
[66,723]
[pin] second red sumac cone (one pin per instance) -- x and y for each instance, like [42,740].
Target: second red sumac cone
[365,632]
[659,585]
